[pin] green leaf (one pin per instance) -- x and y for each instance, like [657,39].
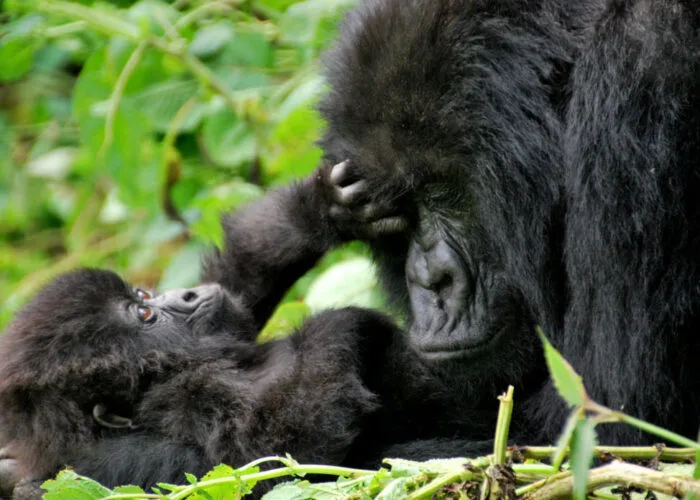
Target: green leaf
[293,490]
[395,490]
[183,270]
[228,139]
[70,486]
[284,320]
[564,441]
[248,49]
[122,156]
[130,488]
[17,55]
[221,199]
[582,448]
[349,283]
[566,380]
[210,39]
[161,101]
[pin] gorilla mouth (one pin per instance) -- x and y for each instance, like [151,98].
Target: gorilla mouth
[450,301]
[454,337]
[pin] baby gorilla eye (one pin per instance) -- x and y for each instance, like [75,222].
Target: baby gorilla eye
[145,313]
[143,294]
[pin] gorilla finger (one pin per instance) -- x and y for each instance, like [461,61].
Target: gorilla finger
[340,213]
[341,173]
[388,225]
[9,476]
[372,212]
[351,194]
[28,490]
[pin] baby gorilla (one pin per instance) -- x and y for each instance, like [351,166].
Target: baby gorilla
[130,387]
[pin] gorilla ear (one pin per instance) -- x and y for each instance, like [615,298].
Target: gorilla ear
[111,420]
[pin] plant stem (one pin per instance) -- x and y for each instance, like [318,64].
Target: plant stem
[428,490]
[624,452]
[294,470]
[561,485]
[605,414]
[112,25]
[505,412]
[118,93]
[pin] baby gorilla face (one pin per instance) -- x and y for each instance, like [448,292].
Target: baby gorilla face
[92,322]
[187,313]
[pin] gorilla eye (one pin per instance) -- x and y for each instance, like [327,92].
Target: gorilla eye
[143,294]
[145,313]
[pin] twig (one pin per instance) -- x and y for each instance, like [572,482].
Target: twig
[624,452]
[118,94]
[505,412]
[616,473]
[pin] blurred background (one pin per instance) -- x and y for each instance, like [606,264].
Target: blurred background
[128,127]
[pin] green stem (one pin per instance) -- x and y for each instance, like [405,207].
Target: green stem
[114,26]
[605,414]
[118,93]
[294,470]
[505,413]
[623,452]
[428,490]
[107,23]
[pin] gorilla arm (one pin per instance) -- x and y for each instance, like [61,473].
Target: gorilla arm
[272,242]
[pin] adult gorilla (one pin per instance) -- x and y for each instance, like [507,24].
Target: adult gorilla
[499,185]
[450,116]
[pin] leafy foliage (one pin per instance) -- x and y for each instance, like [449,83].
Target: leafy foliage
[128,127]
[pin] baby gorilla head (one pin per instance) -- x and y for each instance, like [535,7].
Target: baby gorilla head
[79,357]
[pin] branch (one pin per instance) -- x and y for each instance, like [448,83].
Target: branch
[617,473]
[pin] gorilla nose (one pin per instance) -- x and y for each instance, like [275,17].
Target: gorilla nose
[187,300]
[432,269]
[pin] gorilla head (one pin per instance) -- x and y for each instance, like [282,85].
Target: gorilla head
[448,114]
[90,343]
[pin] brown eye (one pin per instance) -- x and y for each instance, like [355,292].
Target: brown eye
[143,294]
[144,313]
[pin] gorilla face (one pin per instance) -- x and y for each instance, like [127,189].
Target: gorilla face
[451,295]
[180,313]
[90,323]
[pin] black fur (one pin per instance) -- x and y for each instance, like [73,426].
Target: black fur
[514,163]
[190,380]
[195,396]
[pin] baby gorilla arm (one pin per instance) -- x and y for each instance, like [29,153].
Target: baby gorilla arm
[272,242]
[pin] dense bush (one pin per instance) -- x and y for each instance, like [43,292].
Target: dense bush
[127,127]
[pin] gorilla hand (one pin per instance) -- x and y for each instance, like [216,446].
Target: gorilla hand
[356,212]
[9,473]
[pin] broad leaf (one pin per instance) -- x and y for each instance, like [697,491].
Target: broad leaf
[582,448]
[566,380]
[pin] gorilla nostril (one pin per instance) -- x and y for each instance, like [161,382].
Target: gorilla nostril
[189,296]
[443,283]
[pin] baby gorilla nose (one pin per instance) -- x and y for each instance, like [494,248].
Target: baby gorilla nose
[187,301]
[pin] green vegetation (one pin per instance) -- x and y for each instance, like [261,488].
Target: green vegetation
[128,127]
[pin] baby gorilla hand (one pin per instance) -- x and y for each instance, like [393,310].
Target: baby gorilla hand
[354,210]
